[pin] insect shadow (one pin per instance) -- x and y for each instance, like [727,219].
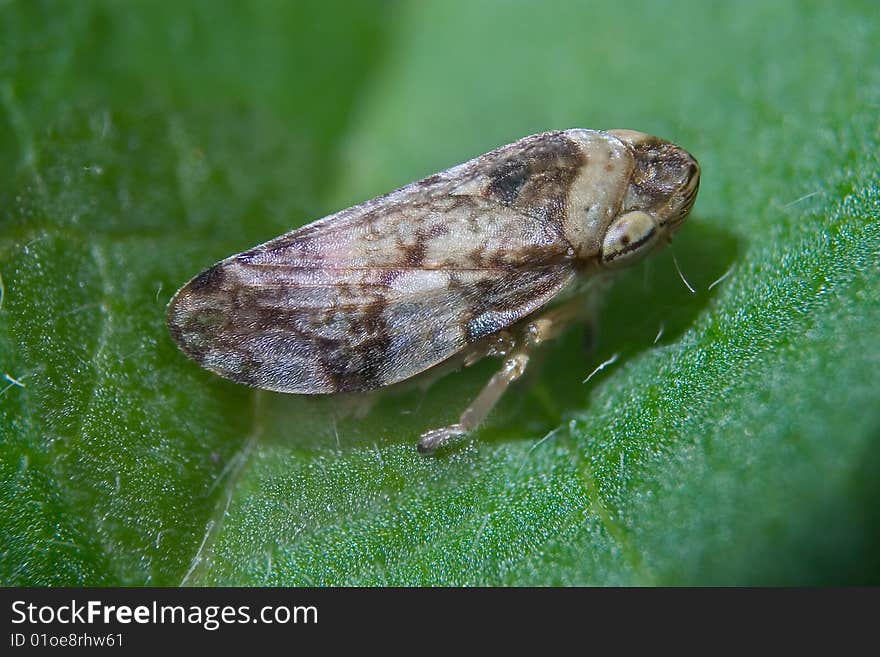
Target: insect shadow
[643,308]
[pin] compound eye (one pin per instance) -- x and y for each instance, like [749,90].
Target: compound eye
[629,238]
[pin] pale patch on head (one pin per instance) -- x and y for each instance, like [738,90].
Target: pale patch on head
[597,190]
[629,238]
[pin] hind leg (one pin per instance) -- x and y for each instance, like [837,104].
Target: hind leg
[534,333]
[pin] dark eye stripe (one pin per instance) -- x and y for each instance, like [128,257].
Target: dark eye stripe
[632,246]
[690,198]
[686,207]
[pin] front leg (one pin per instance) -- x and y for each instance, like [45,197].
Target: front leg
[534,333]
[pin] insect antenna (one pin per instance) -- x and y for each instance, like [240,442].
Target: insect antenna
[721,278]
[601,366]
[681,274]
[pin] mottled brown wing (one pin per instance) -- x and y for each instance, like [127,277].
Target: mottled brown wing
[382,291]
[327,331]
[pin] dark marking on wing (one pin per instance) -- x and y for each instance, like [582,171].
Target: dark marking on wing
[554,163]
[388,276]
[430,180]
[480,327]
[438,230]
[208,280]
[507,180]
[414,254]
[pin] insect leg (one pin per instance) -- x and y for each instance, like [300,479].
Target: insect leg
[535,332]
[555,321]
[500,344]
[470,419]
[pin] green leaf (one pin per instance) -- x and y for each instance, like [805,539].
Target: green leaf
[734,440]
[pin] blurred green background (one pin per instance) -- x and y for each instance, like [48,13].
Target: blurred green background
[142,141]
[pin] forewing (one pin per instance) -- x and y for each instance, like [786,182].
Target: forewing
[323,331]
[377,293]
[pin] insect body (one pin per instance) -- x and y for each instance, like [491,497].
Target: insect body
[465,262]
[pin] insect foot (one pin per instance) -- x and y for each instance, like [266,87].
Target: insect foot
[431,440]
[473,415]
